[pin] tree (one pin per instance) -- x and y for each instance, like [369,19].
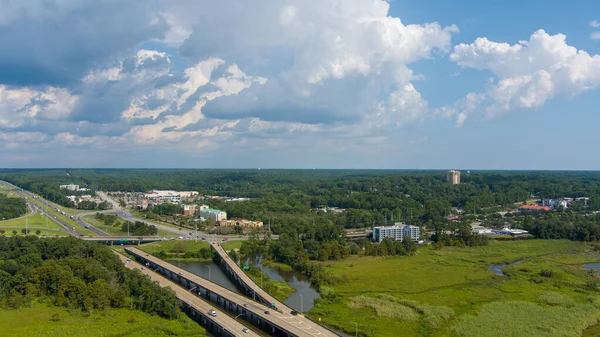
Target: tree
[38,232]
[14,232]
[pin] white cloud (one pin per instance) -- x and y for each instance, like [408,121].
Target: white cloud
[529,73]
[595,35]
[343,55]
[595,24]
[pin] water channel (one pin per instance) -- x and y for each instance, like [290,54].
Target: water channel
[303,299]
[497,268]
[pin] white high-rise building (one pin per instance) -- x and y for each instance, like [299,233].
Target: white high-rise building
[397,232]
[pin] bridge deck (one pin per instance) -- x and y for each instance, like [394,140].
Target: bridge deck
[295,325]
[262,293]
[232,326]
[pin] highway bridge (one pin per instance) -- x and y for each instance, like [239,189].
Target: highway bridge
[251,289]
[219,324]
[123,240]
[274,322]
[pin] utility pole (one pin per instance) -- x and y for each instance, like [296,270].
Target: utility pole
[26,216]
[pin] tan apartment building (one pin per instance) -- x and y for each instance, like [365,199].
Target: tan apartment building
[241,222]
[453,177]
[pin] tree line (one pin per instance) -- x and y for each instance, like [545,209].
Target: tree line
[78,275]
[11,208]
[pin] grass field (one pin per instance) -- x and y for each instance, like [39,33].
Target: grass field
[406,295]
[229,245]
[65,219]
[41,320]
[170,245]
[34,222]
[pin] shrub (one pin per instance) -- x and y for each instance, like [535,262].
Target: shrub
[552,298]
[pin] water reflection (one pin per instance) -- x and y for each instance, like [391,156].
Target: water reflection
[497,269]
[305,295]
[206,269]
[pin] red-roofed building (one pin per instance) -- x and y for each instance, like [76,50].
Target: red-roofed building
[533,208]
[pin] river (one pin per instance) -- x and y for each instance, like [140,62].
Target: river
[303,299]
[497,268]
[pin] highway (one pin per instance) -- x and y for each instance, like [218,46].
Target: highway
[296,325]
[262,293]
[221,319]
[33,199]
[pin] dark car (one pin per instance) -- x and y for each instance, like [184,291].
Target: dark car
[294,312]
[267,312]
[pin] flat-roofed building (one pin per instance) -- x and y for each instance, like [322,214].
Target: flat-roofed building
[213,214]
[453,177]
[242,223]
[397,232]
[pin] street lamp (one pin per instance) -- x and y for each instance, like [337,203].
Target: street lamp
[356,324]
[235,319]
[193,289]
[208,272]
[301,304]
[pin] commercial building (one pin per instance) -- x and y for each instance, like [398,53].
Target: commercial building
[398,232]
[189,210]
[453,177]
[533,208]
[242,223]
[70,187]
[213,214]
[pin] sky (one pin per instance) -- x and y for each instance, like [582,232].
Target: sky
[402,84]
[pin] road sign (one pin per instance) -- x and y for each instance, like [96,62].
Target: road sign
[246,267]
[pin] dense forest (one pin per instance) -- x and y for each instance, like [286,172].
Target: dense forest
[11,208]
[289,200]
[76,274]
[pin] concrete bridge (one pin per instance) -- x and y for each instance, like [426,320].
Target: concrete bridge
[219,324]
[275,323]
[251,289]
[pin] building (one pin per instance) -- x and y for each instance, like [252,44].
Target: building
[534,208]
[397,232]
[514,232]
[565,202]
[189,210]
[70,187]
[453,177]
[213,214]
[242,222]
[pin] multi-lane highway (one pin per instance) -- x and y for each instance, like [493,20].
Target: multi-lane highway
[247,281]
[220,318]
[295,325]
[58,218]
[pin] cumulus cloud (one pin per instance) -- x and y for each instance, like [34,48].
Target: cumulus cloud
[527,74]
[247,75]
[595,24]
[345,55]
[55,42]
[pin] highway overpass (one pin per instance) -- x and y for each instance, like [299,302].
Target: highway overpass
[251,289]
[126,240]
[220,324]
[276,323]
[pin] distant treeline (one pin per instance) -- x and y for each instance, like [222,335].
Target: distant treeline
[76,274]
[289,199]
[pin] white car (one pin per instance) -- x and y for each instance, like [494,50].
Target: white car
[212,313]
[246,330]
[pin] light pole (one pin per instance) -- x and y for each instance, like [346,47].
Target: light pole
[208,272]
[235,319]
[193,289]
[301,304]
[356,331]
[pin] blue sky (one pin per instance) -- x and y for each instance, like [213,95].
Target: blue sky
[299,84]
